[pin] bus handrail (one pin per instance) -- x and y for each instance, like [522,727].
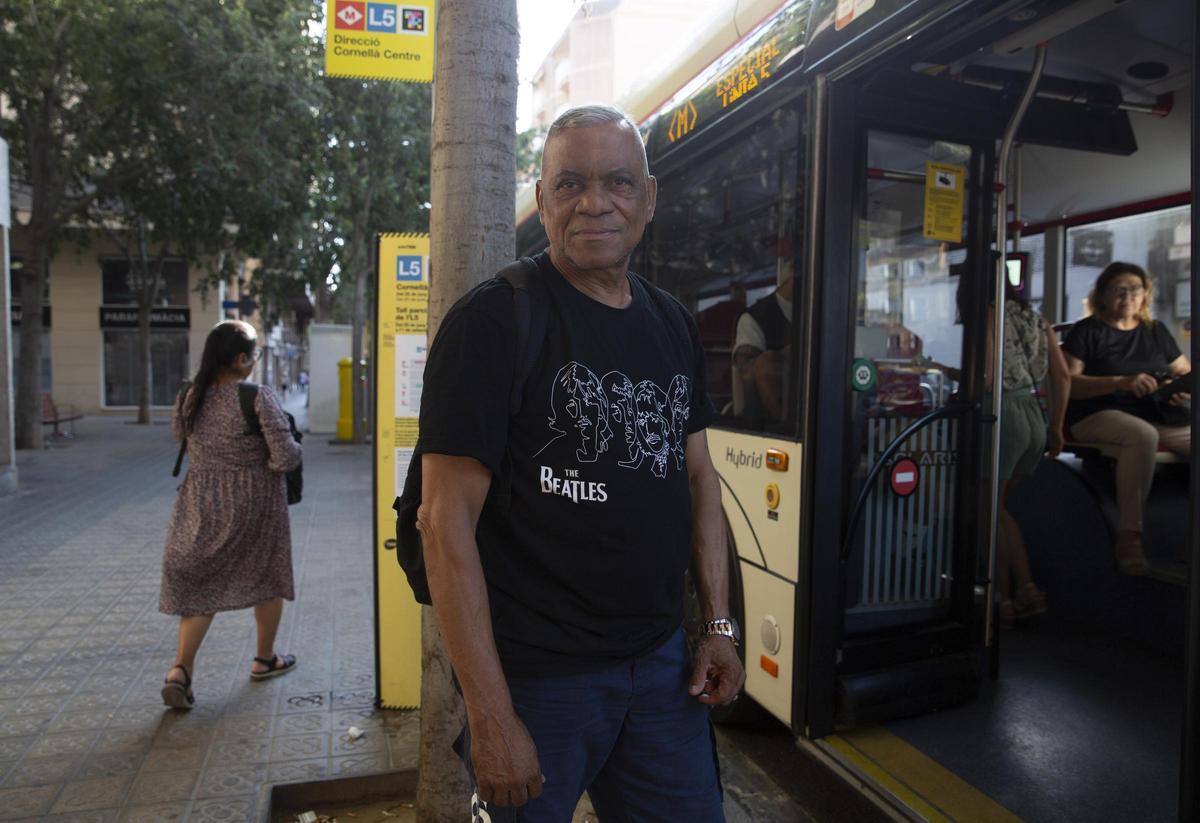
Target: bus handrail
[949,410]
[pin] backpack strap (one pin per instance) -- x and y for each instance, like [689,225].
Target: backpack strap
[247,394]
[671,307]
[531,317]
[179,459]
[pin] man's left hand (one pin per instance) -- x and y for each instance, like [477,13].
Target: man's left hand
[718,676]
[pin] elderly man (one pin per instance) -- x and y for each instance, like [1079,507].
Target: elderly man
[556,538]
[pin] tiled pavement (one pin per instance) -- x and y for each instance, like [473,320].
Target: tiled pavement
[83,648]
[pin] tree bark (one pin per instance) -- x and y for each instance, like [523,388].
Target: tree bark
[358,318]
[472,236]
[29,366]
[145,364]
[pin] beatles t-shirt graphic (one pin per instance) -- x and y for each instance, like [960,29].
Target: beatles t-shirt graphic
[653,423]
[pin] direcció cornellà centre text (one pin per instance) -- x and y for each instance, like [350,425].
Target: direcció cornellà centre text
[347,46]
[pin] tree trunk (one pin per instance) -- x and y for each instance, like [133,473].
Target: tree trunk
[359,315]
[29,368]
[145,364]
[472,236]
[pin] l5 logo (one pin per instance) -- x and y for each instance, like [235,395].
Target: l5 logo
[349,15]
[381,17]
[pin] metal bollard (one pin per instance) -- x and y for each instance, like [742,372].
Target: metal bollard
[345,423]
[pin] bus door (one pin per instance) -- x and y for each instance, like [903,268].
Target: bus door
[904,278]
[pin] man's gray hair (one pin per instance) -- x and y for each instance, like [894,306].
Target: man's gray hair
[595,114]
[591,115]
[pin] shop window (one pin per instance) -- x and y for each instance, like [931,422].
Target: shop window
[723,242]
[1159,242]
[168,334]
[168,364]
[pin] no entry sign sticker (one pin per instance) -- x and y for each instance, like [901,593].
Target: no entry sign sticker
[906,476]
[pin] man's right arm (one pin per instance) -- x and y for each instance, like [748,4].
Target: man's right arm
[453,491]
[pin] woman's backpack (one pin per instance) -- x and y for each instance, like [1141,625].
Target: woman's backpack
[247,394]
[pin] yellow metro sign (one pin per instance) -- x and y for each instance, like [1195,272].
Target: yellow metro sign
[379,41]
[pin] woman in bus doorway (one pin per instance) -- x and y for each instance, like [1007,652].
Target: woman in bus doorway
[1030,354]
[1119,357]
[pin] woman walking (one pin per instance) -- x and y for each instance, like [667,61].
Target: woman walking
[229,543]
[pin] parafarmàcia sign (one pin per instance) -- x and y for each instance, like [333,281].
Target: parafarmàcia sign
[379,41]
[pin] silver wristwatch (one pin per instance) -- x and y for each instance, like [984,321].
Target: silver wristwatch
[723,627]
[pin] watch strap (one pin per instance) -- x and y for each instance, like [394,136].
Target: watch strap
[720,627]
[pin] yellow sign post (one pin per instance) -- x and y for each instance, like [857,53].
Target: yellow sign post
[944,201]
[401,341]
[379,41]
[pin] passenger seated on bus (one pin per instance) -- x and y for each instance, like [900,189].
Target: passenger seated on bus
[1030,353]
[760,351]
[1117,357]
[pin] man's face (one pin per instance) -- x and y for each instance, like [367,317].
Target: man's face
[595,197]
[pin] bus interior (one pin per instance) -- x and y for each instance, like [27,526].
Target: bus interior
[811,194]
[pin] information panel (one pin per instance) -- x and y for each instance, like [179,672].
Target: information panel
[379,41]
[944,201]
[401,341]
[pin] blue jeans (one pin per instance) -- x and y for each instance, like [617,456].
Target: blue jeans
[629,735]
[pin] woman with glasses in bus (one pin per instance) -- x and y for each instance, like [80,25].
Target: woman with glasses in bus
[229,545]
[1118,357]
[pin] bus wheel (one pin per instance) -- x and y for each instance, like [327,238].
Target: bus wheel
[744,710]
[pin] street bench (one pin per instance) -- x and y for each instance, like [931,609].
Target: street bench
[52,415]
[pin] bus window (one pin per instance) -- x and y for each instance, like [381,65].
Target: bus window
[1158,241]
[723,243]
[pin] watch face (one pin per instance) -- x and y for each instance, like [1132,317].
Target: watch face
[737,630]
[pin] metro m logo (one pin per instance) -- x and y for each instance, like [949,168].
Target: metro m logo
[349,15]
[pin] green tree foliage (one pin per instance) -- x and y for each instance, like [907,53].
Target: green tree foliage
[217,143]
[529,154]
[53,55]
[203,129]
[186,127]
[372,177]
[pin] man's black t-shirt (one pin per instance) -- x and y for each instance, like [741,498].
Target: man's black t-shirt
[1110,352]
[585,563]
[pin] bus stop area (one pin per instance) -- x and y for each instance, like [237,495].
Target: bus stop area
[83,649]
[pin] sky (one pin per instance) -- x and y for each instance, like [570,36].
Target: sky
[541,23]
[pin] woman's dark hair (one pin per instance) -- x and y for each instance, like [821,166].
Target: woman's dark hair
[1095,300]
[224,343]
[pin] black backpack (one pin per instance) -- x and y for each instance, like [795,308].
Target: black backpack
[247,394]
[531,313]
[531,310]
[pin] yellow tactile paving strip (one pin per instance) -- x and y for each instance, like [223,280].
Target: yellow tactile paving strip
[919,782]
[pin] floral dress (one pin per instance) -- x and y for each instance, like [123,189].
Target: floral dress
[229,543]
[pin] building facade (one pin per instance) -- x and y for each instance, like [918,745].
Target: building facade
[613,46]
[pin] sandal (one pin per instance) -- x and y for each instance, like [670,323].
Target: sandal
[276,665]
[1029,602]
[1131,558]
[175,694]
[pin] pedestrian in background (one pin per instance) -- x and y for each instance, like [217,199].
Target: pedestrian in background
[229,543]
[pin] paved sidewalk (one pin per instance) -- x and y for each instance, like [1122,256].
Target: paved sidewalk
[83,648]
